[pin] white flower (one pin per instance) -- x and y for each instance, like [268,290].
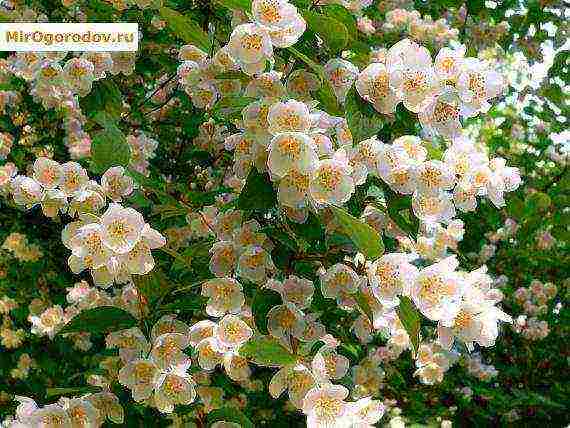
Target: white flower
[250,44]
[167,350]
[373,84]
[276,14]
[449,63]
[291,151]
[53,201]
[47,172]
[298,379]
[436,208]
[225,295]
[503,179]
[325,407]
[292,189]
[74,177]
[286,321]
[26,191]
[341,74]
[288,116]
[140,376]
[390,276]
[50,416]
[477,84]
[87,244]
[81,412]
[434,176]
[232,332]
[412,76]
[116,184]
[121,228]
[437,291]
[285,37]
[174,386]
[440,114]
[79,75]
[331,181]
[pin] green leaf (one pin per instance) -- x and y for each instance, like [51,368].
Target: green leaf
[410,318]
[109,148]
[153,285]
[342,14]
[230,414]
[186,303]
[317,68]
[333,32]
[185,28]
[232,104]
[244,5]
[395,204]
[363,121]
[106,97]
[363,304]
[537,202]
[474,7]
[266,351]
[103,319]
[365,237]
[76,391]
[515,207]
[327,99]
[263,301]
[258,193]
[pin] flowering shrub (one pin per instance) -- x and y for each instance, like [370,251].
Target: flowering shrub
[329,214]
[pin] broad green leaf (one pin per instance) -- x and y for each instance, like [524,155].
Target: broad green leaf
[363,304]
[258,193]
[152,285]
[109,148]
[185,28]
[229,414]
[106,97]
[333,32]
[327,99]
[234,75]
[266,351]
[76,391]
[474,7]
[103,319]
[363,121]
[515,207]
[342,14]
[317,68]
[232,104]
[410,318]
[537,202]
[243,5]
[366,238]
[185,303]
[395,204]
[263,301]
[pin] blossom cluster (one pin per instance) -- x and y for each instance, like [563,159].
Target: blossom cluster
[113,246]
[89,410]
[275,24]
[314,163]
[534,301]
[18,245]
[48,320]
[423,29]
[59,85]
[440,91]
